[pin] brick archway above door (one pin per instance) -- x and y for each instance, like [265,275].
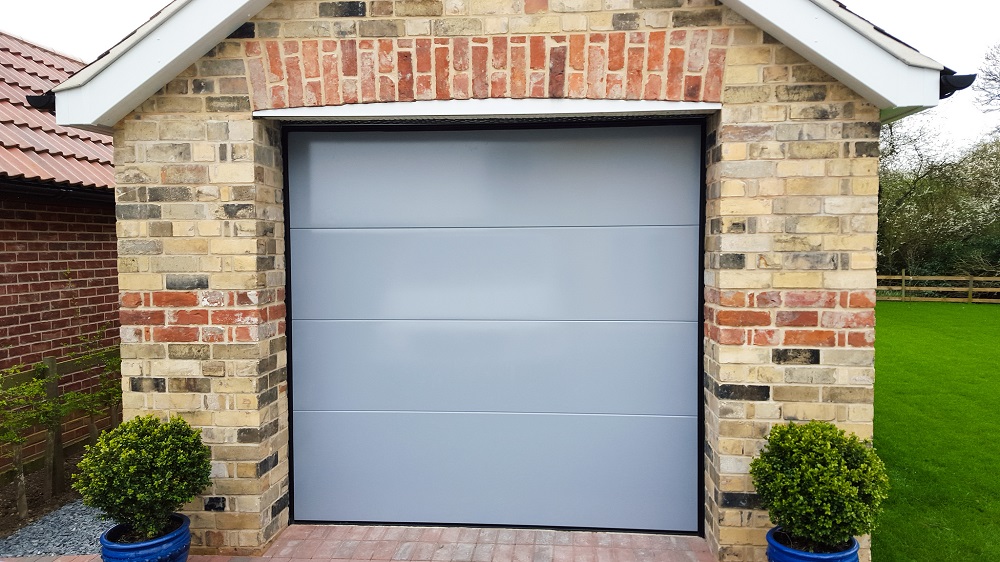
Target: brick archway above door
[681,65]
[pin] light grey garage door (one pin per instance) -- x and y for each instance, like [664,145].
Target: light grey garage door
[496,327]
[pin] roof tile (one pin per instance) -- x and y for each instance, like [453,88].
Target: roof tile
[32,146]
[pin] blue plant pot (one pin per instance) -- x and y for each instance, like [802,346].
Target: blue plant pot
[777,552]
[172,547]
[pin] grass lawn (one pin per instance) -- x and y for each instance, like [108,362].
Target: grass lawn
[937,427]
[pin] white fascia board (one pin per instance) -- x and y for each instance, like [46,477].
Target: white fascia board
[105,92]
[886,77]
[493,108]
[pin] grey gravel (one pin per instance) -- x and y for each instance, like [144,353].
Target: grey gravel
[72,529]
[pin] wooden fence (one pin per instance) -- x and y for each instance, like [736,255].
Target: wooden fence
[939,288]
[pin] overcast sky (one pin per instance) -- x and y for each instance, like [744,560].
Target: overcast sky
[956,34]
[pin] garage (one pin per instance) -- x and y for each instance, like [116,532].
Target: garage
[496,326]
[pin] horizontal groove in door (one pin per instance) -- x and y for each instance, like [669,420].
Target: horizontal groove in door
[566,367]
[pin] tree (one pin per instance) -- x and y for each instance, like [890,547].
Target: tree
[939,211]
[988,83]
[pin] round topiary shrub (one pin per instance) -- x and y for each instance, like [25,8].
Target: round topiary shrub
[142,471]
[821,486]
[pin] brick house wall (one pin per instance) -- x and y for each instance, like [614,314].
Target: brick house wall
[790,217]
[58,286]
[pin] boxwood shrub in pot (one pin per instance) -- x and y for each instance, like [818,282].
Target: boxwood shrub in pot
[821,487]
[139,474]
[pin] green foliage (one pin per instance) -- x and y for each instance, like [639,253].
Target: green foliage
[939,210]
[108,392]
[936,397]
[819,484]
[144,470]
[18,406]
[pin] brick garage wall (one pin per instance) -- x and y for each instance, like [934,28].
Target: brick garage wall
[790,217]
[58,286]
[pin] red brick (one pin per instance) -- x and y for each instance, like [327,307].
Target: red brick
[697,52]
[310,59]
[169,299]
[349,50]
[386,89]
[816,338]
[732,298]
[713,78]
[518,76]
[865,319]
[557,72]
[811,299]
[766,337]
[633,82]
[536,85]
[535,6]
[616,51]
[461,54]
[808,318]
[862,299]
[498,85]
[406,76]
[863,338]
[275,64]
[237,317]
[577,51]
[331,79]
[657,48]
[291,47]
[480,78]
[386,56]
[731,336]
[187,317]
[366,70]
[278,97]
[295,90]
[441,73]
[131,300]
[537,44]
[425,87]
[460,87]
[653,87]
[743,318]
[675,75]
[678,37]
[252,48]
[175,334]
[142,317]
[767,299]
[597,64]
[499,52]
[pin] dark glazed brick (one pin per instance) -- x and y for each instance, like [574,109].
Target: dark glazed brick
[732,261]
[624,22]
[248,435]
[697,18]
[279,505]
[267,397]
[146,384]
[795,356]
[866,150]
[739,500]
[189,351]
[656,4]
[744,392]
[341,9]
[862,130]
[265,466]
[245,31]
[215,504]
[239,211]
[222,67]
[157,194]
[203,386]
[161,229]
[186,282]
[204,86]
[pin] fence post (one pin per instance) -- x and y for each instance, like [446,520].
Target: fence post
[971,286]
[55,477]
[902,283]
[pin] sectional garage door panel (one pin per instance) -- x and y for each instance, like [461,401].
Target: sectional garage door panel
[560,367]
[471,179]
[546,470]
[496,273]
[496,327]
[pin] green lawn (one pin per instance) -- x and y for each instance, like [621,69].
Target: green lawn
[937,426]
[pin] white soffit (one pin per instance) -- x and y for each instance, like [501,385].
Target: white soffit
[885,72]
[100,95]
[493,108]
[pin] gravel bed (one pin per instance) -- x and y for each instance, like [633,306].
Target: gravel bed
[71,529]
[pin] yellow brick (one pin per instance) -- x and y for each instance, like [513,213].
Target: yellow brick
[234,246]
[231,173]
[744,206]
[812,186]
[798,279]
[849,242]
[185,246]
[742,74]
[140,282]
[734,151]
[792,168]
[740,55]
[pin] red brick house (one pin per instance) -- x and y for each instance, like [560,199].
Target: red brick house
[58,260]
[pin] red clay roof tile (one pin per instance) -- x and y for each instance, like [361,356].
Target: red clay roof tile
[32,146]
